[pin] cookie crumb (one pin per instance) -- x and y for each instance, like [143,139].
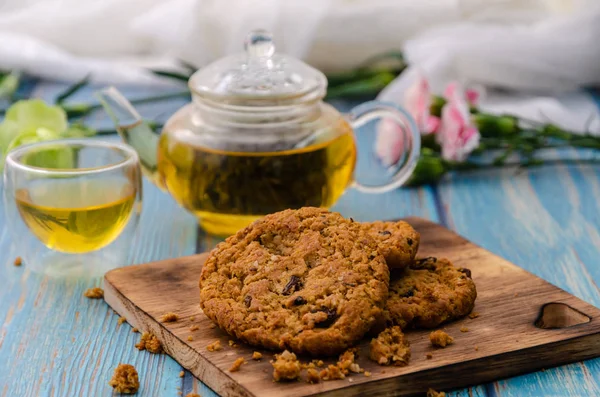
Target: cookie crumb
[464,329]
[121,320]
[125,379]
[193,395]
[476,348]
[215,346]
[433,393]
[256,355]
[332,372]
[346,361]
[169,318]
[192,318]
[150,343]
[516,294]
[390,348]
[190,338]
[440,339]
[232,343]
[18,261]
[181,374]
[312,376]
[429,356]
[94,293]
[286,366]
[318,363]
[237,364]
[473,315]
[135,329]
[367,373]
[194,328]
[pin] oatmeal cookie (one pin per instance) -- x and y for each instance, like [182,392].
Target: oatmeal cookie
[428,293]
[397,241]
[305,280]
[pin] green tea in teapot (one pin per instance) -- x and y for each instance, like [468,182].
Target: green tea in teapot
[227,190]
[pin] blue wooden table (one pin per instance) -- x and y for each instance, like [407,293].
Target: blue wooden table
[55,342]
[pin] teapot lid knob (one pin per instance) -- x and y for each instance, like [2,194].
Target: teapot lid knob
[259,44]
[259,76]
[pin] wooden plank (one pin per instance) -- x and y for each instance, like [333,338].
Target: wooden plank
[548,222]
[502,342]
[53,341]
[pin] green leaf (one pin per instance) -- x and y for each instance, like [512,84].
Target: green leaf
[34,113]
[72,90]
[9,84]
[171,75]
[9,130]
[429,170]
[78,130]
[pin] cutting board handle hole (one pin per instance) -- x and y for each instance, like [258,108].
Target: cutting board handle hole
[556,315]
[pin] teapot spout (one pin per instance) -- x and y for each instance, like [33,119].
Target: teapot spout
[133,130]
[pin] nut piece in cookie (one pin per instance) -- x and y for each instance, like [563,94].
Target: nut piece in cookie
[397,241]
[440,339]
[125,379]
[429,292]
[305,280]
[390,348]
[286,367]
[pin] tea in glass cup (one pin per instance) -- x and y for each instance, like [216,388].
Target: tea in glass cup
[73,205]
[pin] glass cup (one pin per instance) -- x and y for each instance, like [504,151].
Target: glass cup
[73,205]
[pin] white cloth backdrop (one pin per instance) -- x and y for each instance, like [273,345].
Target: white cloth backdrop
[542,51]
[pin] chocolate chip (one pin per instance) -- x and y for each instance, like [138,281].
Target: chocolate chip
[293,285]
[247,300]
[351,220]
[331,317]
[408,294]
[409,241]
[299,301]
[465,271]
[385,233]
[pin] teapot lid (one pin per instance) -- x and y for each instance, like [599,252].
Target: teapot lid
[259,77]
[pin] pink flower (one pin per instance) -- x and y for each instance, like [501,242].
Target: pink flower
[417,101]
[389,144]
[454,91]
[457,135]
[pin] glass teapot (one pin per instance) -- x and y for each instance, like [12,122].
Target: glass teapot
[256,139]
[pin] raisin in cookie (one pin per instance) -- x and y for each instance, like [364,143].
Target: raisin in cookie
[428,293]
[305,280]
[397,241]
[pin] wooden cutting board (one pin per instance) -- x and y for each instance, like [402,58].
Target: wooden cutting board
[510,336]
